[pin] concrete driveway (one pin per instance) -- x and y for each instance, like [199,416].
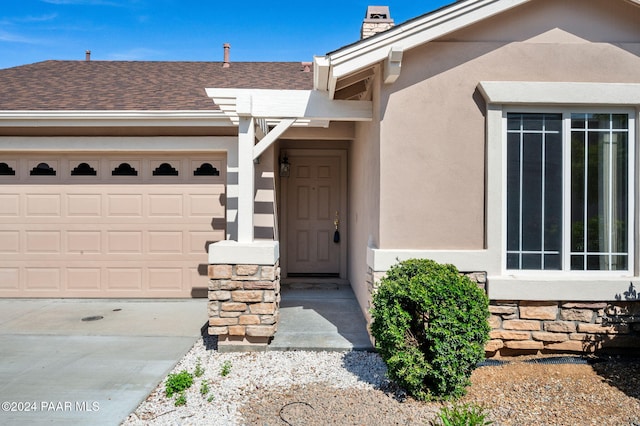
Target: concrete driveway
[56,368]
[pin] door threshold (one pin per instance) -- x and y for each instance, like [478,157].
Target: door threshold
[313,275]
[314,280]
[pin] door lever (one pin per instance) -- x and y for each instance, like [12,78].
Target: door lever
[336,223]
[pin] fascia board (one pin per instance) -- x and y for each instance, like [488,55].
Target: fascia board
[113,118]
[414,33]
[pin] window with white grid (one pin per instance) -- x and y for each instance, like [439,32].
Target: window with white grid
[568,187]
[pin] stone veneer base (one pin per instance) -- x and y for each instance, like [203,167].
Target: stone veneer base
[519,327]
[525,327]
[243,306]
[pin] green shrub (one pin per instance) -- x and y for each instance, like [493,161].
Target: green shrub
[199,371]
[430,325]
[226,368]
[181,400]
[204,388]
[177,382]
[462,415]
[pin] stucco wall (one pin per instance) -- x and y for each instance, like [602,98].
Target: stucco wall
[432,128]
[364,201]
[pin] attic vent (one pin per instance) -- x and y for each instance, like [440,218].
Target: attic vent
[376,20]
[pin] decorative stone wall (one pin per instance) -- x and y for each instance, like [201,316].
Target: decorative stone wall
[519,326]
[244,301]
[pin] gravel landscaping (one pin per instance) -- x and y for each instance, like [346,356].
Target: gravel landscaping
[320,388]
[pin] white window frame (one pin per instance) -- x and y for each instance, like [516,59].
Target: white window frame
[566,113]
[516,96]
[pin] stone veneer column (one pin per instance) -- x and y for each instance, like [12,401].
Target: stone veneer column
[244,296]
[244,302]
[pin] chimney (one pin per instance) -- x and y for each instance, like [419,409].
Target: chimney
[226,47]
[376,20]
[87,55]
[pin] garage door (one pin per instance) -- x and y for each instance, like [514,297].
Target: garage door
[109,225]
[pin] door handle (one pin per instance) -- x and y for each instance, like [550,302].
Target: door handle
[336,223]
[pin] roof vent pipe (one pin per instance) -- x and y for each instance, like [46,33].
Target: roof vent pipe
[87,55]
[226,47]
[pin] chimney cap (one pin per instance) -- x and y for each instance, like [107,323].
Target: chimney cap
[377,20]
[378,14]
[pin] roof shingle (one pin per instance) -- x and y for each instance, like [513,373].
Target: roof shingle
[139,86]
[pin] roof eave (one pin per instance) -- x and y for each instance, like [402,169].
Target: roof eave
[403,37]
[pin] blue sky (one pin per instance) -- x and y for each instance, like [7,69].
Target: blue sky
[185,30]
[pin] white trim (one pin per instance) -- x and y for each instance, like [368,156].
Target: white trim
[125,143]
[271,136]
[393,65]
[558,288]
[246,179]
[113,118]
[277,104]
[235,253]
[560,93]
[321,66]
[530,285]
[380,260]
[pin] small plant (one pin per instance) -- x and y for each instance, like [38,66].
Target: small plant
[211,397]
[181,400]
[199,371]
[226,368]
[178,382]
[204,388]
[430,325]
[462,415]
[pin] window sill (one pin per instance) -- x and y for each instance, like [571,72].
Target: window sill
[560,287]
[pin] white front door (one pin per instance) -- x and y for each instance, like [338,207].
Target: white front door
[314,202]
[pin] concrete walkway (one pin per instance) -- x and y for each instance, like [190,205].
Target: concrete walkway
[56,368]
[321,317]
[88,361]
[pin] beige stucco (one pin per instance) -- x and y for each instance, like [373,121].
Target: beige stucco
[364,199]
[432,128]
[419,170]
